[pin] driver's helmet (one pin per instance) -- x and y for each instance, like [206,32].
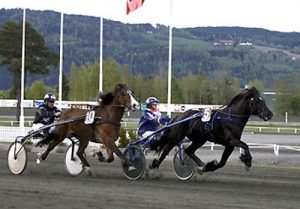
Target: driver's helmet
[150,101]
[49,97]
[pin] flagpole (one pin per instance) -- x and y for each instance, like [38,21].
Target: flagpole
[61,59]
[101,56]
[170,62]
[23,75]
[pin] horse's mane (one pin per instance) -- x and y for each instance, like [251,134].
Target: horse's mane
[106,99]
[251,91]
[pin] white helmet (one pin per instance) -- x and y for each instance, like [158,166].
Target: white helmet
[49,97]
[150,101]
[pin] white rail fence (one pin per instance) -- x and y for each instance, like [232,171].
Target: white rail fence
[275,147]
[130,124]
[9,134]
[261,129]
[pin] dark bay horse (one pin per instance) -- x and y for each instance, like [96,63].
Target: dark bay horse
[105,128]
[225,127]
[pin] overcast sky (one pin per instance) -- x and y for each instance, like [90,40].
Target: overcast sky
[278,15]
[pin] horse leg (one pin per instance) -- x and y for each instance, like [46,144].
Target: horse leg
[245,157]
[110,144]
[99,156]
[55,141]
[110,155]
[82,146]
[214,165]
[190,151]
[165,151]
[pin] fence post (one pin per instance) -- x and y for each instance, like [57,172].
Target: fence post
[212,146]
[276,149]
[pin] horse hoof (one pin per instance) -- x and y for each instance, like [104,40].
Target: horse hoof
[215,162]
[158,176]
[200,170]
[99,156]
[154,164]
[109,160]
[88,171]
[247,168]
[38,158]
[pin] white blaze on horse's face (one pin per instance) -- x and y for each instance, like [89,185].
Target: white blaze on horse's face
[134,104]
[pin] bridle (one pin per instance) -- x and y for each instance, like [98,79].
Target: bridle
[129,93]
[239,115]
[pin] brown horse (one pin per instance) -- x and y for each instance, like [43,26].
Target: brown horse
[105,128]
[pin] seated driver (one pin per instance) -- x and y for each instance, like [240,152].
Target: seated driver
[151,118]
[45,115]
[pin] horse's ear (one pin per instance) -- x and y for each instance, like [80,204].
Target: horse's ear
[254,90]
[106,98]
[99,96]
[245,91]
[118,87]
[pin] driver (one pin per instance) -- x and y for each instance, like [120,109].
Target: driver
[45,115]
[151,118]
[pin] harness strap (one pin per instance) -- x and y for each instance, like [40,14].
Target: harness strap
[218,117]
[109,122]
[228,116]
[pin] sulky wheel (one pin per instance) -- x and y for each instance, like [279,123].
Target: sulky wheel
[183,166]
[16,158]
[72,162]
[137,158]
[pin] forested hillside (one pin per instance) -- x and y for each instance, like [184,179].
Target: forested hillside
[144,48]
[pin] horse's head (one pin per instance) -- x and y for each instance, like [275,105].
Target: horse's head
[257,105]
[125,97]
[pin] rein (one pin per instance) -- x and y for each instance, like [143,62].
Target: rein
[120,106]
[234,115]
[111,106]
[99,121]
[109,122]
[82,117]
[228,115]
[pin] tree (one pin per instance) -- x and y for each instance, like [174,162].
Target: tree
[38,59]
[226,87]
[111,74]
[37,90]
[66,88]
[288,97]
[257,84]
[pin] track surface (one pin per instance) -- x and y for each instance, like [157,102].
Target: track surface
[47,185]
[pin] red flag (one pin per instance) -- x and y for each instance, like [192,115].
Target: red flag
[132,5]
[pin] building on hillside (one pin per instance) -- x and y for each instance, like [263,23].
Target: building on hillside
[223,43]
[246,44]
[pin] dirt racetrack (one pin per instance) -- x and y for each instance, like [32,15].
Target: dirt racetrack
[48,185]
